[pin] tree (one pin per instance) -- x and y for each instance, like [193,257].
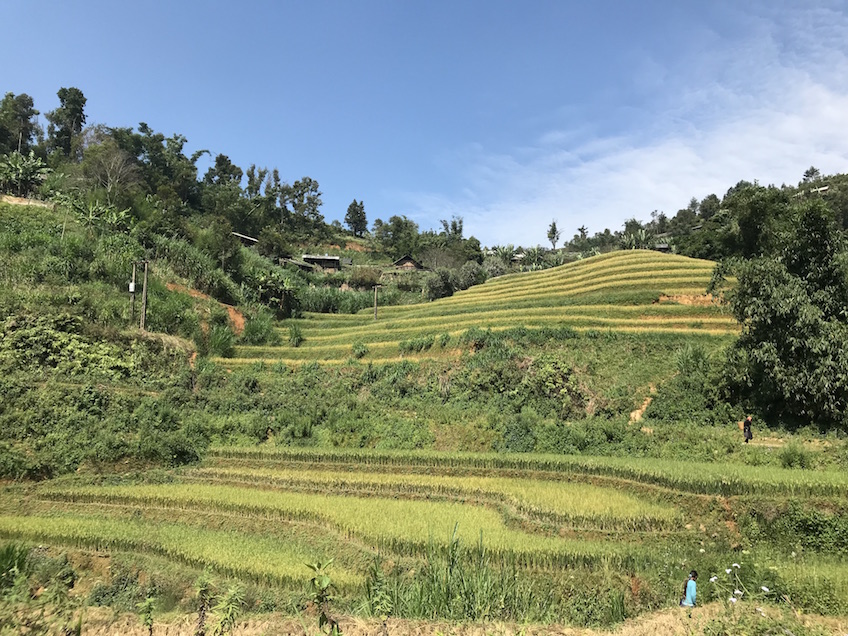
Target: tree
[398,236]
[217,241]
[66,122]
[811,174]
[791,360]
[300,205]
[553,234]
[708,207]
[505,254]
[18,125]
[224,172]
[355,218]
[109,167]
[534,258]
[452,230]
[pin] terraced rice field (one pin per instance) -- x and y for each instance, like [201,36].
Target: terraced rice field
[628,291]
[259,515]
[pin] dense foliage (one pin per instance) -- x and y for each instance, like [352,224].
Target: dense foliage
[791,360]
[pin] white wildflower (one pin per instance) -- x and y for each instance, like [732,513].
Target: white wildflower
[713,579]
[727,570]
[765,589]
[702,550]
[737,566]
[732,599]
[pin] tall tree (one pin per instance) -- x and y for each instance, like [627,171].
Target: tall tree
[107,165]
[399,236]
[452,229]
[355,218]
[18,124]
[811,174]
[66,122]
[300,205]
[791,360]
[553,234]
[223,172]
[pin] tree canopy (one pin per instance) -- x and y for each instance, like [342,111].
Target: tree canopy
[791,360]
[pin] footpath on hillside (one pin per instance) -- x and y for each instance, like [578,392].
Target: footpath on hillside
[668,622]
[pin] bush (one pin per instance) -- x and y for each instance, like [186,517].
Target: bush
[259,329]
[422,343]
[439,284]
[360,350]
[364,277]
[221,341]
[793,455]
[470,274]
[295,335]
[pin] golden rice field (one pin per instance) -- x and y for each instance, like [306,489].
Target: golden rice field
[546,510]
[258,516]
[634,291]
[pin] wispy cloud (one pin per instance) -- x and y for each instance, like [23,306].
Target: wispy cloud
[764,107]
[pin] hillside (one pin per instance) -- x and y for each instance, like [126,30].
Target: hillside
[548,446]
[633,291]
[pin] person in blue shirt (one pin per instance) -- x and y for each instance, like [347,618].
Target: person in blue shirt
[690,591]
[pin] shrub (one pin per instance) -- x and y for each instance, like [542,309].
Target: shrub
[422,343]
[259,329]
[360,350]
[295,335]
[793,455]
[439,284]
[364,277]
[470,274]
[221,341]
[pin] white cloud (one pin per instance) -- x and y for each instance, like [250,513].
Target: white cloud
[763,109]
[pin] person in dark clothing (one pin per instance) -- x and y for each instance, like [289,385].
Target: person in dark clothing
[746,429]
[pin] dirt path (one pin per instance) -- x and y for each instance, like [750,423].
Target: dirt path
[668,622]
[636,415]
[235,316]
[7,198]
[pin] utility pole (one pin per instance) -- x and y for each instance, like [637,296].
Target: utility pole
[144,299]
[132,295]
[375,300]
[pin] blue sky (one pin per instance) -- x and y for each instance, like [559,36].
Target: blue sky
[507,114]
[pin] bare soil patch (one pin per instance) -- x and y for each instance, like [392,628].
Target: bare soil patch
[636,415]
[7,198]
[235,316]
[704,300]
